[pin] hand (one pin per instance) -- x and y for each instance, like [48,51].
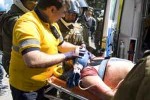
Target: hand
[83,45]
[91,56]
[77,68]
[78,52]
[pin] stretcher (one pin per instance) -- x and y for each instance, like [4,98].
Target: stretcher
[76,92]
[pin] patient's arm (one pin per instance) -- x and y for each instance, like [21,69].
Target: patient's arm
[100,89]
[98,58]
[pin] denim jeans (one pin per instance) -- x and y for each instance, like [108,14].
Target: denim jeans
[1,70]
[1,74]
[35,95]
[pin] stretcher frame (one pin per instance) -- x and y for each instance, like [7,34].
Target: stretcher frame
[76,92]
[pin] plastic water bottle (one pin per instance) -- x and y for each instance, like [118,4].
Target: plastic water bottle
[122,48]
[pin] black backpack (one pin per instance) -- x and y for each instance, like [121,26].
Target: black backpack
[4,18]
[6,36]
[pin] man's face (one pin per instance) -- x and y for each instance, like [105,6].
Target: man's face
[30,4]
[55,14]
[88,13]
[70,17]
[60,13]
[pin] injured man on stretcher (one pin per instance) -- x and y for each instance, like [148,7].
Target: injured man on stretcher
[98,75]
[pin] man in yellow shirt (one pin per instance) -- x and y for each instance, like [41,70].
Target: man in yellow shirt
[36,42]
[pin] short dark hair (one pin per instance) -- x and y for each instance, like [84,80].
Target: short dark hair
[43,4]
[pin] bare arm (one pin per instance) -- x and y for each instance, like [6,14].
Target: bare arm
[39,59]
[100,89]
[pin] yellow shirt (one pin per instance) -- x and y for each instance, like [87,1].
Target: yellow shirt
[29,31]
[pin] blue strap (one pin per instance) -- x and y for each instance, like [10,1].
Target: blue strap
[102,68]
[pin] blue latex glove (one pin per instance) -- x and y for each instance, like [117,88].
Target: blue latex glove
[84,59]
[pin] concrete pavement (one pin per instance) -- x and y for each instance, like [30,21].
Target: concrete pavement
[7,95]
